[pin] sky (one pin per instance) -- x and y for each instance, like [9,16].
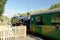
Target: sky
[13,7]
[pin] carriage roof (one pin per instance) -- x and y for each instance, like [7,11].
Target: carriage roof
[47,11]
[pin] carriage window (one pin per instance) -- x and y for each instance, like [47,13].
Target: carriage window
[32,19]
[55,19]
[39,20]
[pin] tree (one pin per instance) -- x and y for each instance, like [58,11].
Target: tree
[28,13]
[55,6]
[19,14]
[2,5]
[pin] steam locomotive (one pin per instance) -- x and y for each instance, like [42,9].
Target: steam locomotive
[21,20]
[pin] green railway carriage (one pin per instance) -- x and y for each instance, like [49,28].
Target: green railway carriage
[46,23]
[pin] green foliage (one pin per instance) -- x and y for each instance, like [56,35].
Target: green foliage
[18,14]
[24,14]
[4,18]
[28,13]
[2,5]
[55,6]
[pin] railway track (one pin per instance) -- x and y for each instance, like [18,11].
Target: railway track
[40,36]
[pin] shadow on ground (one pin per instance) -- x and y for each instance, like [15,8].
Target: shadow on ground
[31,37]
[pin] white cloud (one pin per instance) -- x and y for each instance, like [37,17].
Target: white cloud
[10,13]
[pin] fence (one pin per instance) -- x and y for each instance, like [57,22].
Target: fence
[12,33]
